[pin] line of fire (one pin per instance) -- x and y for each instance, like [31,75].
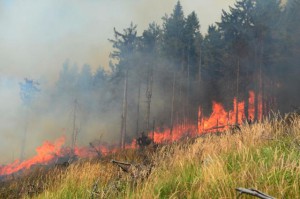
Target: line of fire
[219,120]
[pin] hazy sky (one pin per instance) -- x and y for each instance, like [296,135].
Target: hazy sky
[37,36]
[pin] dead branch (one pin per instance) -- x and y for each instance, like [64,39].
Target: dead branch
[137,171]
[96,150]
[123,165]
[253,192]
[222,127]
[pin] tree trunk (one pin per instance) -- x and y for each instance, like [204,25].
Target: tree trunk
[138,111]
[153,130]
[172,107]
[261,80]
[237,91]
[124,112]
[149,96]
[188,88]
[256,83]
[74,132]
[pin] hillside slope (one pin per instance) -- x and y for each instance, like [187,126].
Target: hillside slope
[264,156]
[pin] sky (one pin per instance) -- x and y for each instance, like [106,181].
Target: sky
[38,36]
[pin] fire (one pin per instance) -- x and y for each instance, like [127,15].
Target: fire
[50,152]
[45,154]
[219,120]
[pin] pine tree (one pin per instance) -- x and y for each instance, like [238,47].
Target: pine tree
[125,45]
[149,48]
[287,72]
[173,38]
[193,41]
[214,67]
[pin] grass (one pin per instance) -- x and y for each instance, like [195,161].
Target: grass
[264,156]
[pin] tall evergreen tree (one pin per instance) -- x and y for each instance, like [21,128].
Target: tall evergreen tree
[125,45]
[173,39]
[193,40]
[288,71]
[213,69]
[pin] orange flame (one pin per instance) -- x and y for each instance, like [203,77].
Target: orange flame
[45,153]
[219,120]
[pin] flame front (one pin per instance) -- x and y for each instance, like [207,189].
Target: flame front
[45,154]
[219,120]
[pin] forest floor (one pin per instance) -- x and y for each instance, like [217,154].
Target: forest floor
[264,156]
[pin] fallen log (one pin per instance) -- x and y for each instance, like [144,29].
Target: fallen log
[253,192]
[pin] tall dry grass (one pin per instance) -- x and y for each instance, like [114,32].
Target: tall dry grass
[264,156]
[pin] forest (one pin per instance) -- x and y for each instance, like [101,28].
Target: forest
[161,77]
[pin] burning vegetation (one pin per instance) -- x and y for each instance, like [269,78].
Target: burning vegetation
[262,155]
[219,120]
[172,82]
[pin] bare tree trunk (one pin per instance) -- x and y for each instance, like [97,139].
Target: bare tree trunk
[200,67]
[199,80]
[237,91]
[149,96]
[182,98]
[261,81]
[172,106]
[124,113]
[138,111]
[256,83]
[188,86]
[74,132]
[153,130]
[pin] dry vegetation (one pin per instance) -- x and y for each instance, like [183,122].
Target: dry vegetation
[264,156]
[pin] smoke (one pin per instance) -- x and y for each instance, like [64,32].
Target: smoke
[36,37]
[41,35]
